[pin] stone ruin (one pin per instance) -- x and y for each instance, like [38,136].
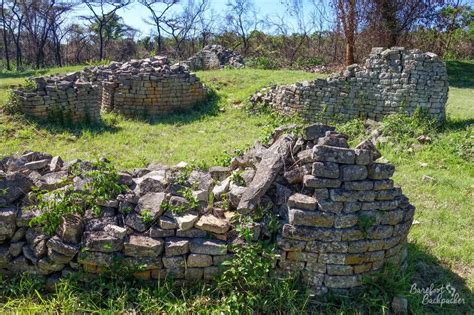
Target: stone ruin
[340,215]
[213,57]
[138,88]
[392,80]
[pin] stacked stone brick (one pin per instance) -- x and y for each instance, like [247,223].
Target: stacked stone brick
[138,88]
[214,57]
[66,98]
[341,217]
[349,219]
[391,81]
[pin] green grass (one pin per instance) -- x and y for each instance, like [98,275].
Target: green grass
[441,243]
[200,135]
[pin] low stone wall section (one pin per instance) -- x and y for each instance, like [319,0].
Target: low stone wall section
[392,80]
[214,57]
[139,88]
[340,216]
[61,100]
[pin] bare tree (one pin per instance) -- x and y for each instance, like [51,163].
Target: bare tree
[390,19]
[347,16]
[241,18]
[39,18]
[5,33]
[158,16]
[182,24]
[103,12]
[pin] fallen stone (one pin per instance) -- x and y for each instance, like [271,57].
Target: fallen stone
[13,186]
[52,181]
[369,146]
[219,172]
[315,131]
[56,164]
[37,165]
[272,161]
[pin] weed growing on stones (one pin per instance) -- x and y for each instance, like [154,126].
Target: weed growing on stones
[101,185]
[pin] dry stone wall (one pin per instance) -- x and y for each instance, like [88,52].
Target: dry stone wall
[340,215]
[390,81]
[138,88]
[68,99]
[214,57]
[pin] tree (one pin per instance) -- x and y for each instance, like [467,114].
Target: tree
[390,19]
[5,33]
[347,16]
[40,17]
[101,17]
[182,24]
[241,18]
[158,16]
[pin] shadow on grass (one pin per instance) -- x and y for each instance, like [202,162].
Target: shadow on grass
[22,74]
[461,73]
[109,123]
[424,272]
[208,108]
[455,124]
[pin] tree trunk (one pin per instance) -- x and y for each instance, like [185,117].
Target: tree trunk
[5,37]
[350,32]
[101,42]
[5,44]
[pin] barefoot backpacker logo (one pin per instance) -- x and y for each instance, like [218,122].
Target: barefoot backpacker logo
[444,294]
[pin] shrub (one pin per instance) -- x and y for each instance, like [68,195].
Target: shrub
[261,62]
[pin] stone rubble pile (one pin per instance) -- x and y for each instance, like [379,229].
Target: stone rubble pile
[392,80]
[340,215]
[215,57]
[146,87]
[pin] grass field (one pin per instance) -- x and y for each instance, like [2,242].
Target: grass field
[441,245]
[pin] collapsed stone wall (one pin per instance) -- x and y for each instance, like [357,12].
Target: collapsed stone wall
[392,80]
[340,215]
[143,88]
[213,57]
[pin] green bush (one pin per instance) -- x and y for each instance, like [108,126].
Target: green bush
[261,62]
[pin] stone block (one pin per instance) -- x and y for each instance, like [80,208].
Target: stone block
[303,202]
[310,218]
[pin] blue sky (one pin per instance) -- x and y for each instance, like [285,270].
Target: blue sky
[135,14]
